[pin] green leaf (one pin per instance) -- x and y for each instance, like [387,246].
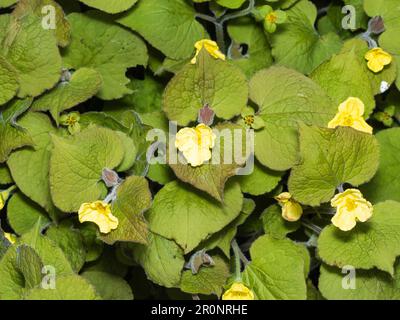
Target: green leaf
[70,241]
[209,280]
[312,292]
[12,135]
[274,225]
[260,181]
[23,214]
[109,286]
[94,246]
[12,280]
[110,6]
[108,263]
[133,199]
[360,48]
[343,76]
[20,269]
[76,165]
[183,214]
[160,173]
[62,30]
[33,180]
[7,3]
[33,53]
[5,175]
[258,56]
[210,81]
[223,238]
[361,17]
[72,287]
[146,95]
[308,48]
[386,183]
[268,274]
[47,250]
[231,4]
[102,119]
[107,48]
[8,81]
[174,29]
[286,98]
[375,243]
[83,85]
[161,259]
[330,157]
[211,177]
[370,284]
[389,41]
[30,265]
[131,151]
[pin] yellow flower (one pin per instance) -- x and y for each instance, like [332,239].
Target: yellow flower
[71,120]
[378,59]
[10,237]
[195,144]
[351,207]
[350,114]
[238,291]
[211,47]
[98,212]
[291,209]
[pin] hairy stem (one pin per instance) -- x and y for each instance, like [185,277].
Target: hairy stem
[206,17]
[219,23]
[219,32]
[239,14]
[236,252]
[311,226]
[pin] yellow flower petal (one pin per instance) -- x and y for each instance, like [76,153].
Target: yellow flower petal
[283,197]
[195,144]
[99,213]
[211,47]
[377,59]
[238,291]
[351,207]
[291,209]
[375,66]
[361,125]
[186,139]
[350,114]
[344,220]
[352,106]
[271,17]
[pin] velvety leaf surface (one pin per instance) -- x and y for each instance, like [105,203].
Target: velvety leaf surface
[330,157]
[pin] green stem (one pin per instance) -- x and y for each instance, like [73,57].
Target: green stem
[219,32]
[311,226]
[239,14]
[11,189]
[236,252]
[219,23]
[206,17]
